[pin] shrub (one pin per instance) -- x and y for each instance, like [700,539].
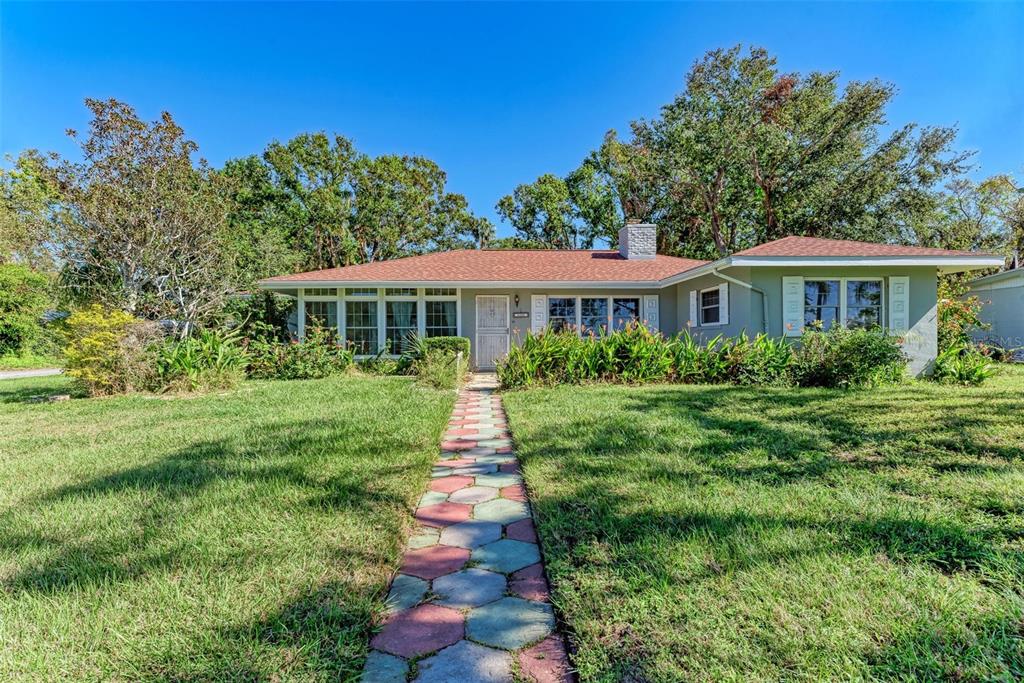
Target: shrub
[436,361]
[317,356]
[963,364]
[209,360]
[761,361]
[848,358]
[23,300]
[957,316]
[111,352]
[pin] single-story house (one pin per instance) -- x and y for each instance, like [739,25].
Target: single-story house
[497,297]
[1002,297]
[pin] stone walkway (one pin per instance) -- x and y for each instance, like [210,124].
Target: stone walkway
[470,601]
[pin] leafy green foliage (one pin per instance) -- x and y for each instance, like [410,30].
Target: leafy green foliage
[26,197]
[848,358]
[111,352]
[24,296]
[211,359]
[958,315]
[315,357]
[440,362]
[838,358]
[963,364]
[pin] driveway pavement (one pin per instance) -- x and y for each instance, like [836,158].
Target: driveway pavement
[19,374]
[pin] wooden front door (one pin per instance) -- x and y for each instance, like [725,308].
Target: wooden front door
[492,330]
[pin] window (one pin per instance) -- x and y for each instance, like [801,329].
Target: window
[710,309]
[440,291]
[361,326]
[863,303]
[624,311]
[821,303]
[594,315]
[361,291]
[401,322]
[400,291]
[323,314]
[441,320]
[561,312]
[321,291]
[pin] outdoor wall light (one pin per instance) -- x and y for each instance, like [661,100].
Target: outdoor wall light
[516,299]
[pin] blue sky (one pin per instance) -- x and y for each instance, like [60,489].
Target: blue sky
[495,93]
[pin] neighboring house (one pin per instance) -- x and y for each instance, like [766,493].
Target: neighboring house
[1002,297]
[496,297]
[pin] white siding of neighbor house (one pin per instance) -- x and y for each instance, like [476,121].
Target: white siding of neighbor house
[1003,309]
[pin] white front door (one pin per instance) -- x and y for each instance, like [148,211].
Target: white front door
[492,330]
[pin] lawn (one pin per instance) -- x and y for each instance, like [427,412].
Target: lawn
[241,536]
[729,533]
[28,361]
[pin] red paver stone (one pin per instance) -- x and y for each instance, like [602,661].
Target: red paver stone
[514,492]
[449,484]
[434,561]
[443,514]
[523,530]
[420,630]
[546,662]
[457,445]
[456,462]
[511,467]
[452,433]
[529,583]
[504,449]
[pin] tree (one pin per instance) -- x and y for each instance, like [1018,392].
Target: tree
[141,227]
[541,212]
[328,205]
[24,295]
[26,200]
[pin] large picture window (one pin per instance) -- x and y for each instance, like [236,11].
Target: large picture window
[594,315]
[624,312]
[322,314]
[821,303]
[440,321]
[361,326]
[561,312]
[863,303]
[852,302]
[400,324]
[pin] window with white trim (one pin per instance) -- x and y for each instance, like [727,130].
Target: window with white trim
[400,324]
[594,315]
[441,318]
[710,306]
[851,302]
[561,312]
[362,291]
[322,314]
[625,310]
[361,326]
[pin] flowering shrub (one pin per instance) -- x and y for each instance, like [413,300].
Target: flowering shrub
[111,352]
[318,355]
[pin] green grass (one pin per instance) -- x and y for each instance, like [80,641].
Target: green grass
[28,361]
[238,536]
[707,533]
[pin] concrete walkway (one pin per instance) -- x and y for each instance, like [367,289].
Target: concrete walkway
[470,601]
[19,374]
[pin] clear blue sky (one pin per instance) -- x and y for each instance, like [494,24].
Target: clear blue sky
[495,93]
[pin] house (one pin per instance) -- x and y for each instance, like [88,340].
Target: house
[496,297]
[1002,297]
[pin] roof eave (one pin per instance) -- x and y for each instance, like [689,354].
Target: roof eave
[464,284]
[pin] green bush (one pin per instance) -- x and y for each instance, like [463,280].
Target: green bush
[838,358]
[958,316]
[23,300]
[963,364]
[317,356]
[451,345]
[212,359]
[436,361]
[111,352]
[848,358]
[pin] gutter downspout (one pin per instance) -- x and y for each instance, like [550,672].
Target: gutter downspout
[741,283]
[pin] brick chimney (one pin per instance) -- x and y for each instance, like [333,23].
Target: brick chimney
[638,240]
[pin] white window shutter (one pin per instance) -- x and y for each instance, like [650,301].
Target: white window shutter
[538,313]
[899,304]
[694,313]
[723,303]
[651,312]
[792,306]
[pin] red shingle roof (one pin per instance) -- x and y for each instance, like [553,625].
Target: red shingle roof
[500,265]
[816,246]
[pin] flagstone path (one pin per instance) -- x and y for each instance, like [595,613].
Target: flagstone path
[470,601]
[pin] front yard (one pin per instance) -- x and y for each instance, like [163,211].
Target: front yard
[223,537]
[726,533]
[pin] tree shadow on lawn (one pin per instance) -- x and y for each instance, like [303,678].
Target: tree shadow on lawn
[177,483]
